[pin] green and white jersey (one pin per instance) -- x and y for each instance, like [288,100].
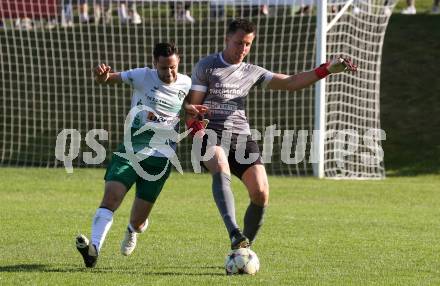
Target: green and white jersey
[163,103]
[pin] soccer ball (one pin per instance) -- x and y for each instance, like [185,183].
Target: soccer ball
[242,261]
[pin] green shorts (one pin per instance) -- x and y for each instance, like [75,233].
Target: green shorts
[121,170]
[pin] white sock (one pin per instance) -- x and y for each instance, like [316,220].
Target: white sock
[101,225]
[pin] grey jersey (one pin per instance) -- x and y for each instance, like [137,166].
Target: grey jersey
[226,87]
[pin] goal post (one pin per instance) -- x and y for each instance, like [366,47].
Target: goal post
[330,129]
[321,57]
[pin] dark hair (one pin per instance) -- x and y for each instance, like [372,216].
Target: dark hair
[241,24]
[165,50]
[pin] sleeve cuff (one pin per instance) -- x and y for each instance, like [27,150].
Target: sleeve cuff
[267,78]
[200,88]
[124,76]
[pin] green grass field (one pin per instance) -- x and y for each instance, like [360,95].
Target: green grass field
[317,232]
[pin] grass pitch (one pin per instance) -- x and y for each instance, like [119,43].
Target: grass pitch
[317,232]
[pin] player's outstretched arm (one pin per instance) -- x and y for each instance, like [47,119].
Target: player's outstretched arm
[305,79]
[104,75]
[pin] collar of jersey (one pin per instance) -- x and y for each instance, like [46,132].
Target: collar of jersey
[225,62]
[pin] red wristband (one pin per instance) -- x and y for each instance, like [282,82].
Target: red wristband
[196,125]
[322,71]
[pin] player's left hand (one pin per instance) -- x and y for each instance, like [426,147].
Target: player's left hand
[341,64]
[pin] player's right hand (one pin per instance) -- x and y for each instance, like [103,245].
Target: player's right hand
[102,73]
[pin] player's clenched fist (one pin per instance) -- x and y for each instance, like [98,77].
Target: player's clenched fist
[102,73]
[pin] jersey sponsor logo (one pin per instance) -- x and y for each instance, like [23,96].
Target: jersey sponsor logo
[154,99]
[226,92]
[152,116]
[232,106]
[160,119]
[227,85]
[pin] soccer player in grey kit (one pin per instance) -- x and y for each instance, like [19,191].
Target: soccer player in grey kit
[220,84]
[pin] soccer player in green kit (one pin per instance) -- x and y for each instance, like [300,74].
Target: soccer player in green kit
[221,83]
[161,92]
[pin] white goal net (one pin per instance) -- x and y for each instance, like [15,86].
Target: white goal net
[49,47]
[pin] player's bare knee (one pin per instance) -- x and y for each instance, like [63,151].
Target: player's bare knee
[219,167]
[260,196]
[223,168]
